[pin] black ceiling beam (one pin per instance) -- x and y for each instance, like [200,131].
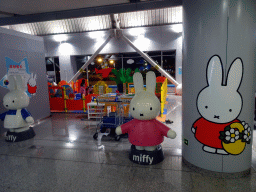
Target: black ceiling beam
[86,12]
[134,1]
[8,14]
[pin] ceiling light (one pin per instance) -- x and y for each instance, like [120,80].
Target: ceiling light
[99,60]
[60,38]
[137,31]
[177,28]
[97,34]
[130,61]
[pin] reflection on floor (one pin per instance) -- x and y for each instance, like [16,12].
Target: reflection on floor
[65,157]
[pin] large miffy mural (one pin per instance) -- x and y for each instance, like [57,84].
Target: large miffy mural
[219,105]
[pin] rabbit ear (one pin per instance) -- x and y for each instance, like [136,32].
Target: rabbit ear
[235,73]
[151,81]
[138,82]
[215,72]
[19,82]
[12,83]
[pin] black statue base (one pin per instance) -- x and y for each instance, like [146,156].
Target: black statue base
[143,157]
[21,136]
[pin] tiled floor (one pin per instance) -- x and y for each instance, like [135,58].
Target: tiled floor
[65,157]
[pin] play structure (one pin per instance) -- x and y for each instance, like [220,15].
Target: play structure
[145,133]
[160,91]
[100,88]
[63,98]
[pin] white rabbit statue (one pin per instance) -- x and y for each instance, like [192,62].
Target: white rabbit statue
[219,105]
[144,131]
[17,119]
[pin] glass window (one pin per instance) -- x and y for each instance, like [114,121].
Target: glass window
[100,68]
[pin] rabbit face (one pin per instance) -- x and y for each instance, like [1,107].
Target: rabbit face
[17,97]
[221,105]
[218,102]
[15,100]
[145,106]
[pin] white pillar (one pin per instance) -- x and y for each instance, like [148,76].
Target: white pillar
[226,29]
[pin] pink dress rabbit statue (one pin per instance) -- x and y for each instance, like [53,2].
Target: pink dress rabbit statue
[144,131]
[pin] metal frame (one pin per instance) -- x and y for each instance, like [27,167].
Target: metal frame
[148,59]
[119,34]
[91,58]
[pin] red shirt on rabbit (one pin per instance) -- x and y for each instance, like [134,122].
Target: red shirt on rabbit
[208,132]
[145,132]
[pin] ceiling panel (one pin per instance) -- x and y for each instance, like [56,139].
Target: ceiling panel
[153,17]
[64,26]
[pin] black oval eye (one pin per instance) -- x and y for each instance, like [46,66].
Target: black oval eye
[133,108]
[13,101]
[230,110]
[151,108]
[206,107]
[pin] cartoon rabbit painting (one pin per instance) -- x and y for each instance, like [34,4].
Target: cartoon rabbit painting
[31,84]
[145,132]
[219,105]
[17,119]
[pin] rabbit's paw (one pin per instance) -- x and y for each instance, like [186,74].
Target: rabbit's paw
[140,148]
[171,134]
[29,120]
[222,151]
[118,130]
[209,149]
[151,148]
[193,130]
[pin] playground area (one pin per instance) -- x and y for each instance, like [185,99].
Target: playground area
[67,97]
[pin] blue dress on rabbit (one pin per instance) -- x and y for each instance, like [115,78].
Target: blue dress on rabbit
[15,118]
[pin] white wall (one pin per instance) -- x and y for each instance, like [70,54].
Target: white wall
[159,38]
[17,46]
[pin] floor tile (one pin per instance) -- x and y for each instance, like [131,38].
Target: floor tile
[22,173]
[64,157]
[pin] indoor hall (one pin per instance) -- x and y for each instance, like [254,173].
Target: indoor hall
[201,54]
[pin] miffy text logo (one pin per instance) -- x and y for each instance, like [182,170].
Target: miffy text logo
[11,138]
[143,158]
[219,105]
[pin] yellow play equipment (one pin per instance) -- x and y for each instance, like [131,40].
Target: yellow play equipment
[163,95]
[100,88]
[161,90]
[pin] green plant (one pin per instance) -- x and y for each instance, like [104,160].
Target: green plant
[123,75]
